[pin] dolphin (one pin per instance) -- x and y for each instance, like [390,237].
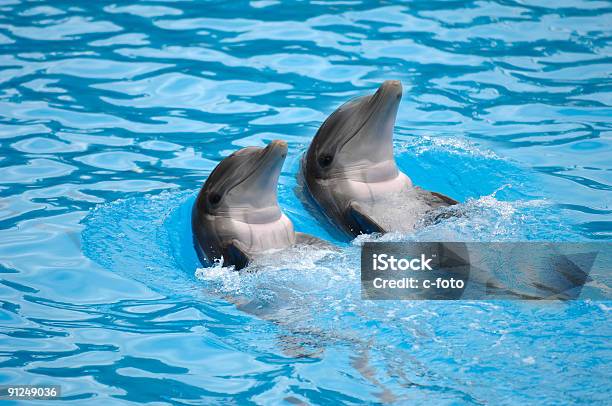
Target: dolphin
[236,215]
[350,172]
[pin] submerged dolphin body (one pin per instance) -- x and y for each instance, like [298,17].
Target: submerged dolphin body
[236,214]
[350,171]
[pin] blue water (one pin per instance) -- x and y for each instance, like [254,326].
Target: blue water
[113,114]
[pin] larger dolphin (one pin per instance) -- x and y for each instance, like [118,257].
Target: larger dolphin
[350,171]
[236,214]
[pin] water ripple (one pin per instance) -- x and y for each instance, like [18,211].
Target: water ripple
[113,113]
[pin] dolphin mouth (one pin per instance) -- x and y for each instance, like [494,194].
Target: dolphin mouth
[271,158]
[384,101]
[390,89]
[381,105]
[275,152]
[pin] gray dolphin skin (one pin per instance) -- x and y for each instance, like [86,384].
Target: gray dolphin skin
[351,173]
[236,214]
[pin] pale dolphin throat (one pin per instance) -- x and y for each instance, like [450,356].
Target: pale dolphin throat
[351,173]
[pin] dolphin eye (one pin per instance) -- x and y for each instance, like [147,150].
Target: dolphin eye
[214,198]
[325,160]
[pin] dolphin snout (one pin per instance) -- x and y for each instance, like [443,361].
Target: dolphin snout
[392,83]
[393,87]
[278,146]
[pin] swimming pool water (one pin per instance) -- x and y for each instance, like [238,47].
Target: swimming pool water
[113,113]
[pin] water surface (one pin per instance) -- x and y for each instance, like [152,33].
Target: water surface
[113,114]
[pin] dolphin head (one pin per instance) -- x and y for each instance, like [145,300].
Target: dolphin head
[245,182]
[358,137]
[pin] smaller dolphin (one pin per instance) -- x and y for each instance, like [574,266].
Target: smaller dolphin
[350,172]
[236,214]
